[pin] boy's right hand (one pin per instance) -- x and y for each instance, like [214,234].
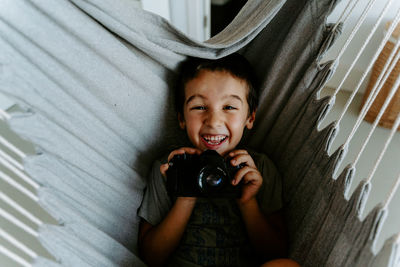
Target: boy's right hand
[164,168]
[182,150]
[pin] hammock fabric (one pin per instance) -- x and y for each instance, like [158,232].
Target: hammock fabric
[95,79]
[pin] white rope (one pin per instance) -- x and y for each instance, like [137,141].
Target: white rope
[397,182]
[394,259]
[11,160]
[19,187]
[354,31]
[18,223]
[397,239]
[4,114]
[20,209]
[364,45]
[343,12]
[18,244]
[373,94]
[20,174]
[11,147]
[364,111]
[367,70]
[392,192]
[392,132]
[349,11]
[14,257]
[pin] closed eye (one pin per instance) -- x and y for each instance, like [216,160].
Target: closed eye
[228,107]
[198,108]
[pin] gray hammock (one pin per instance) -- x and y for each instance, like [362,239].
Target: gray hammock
[94,79]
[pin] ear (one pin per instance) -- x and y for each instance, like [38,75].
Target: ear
[181,120]
[250,120]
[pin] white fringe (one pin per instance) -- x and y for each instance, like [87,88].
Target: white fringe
[14,257]
[18,244]
[18,223]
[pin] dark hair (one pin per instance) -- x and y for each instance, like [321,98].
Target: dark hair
[235,64]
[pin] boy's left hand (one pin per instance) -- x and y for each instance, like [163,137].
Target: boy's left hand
[252,179]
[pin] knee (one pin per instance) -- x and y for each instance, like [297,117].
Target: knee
[281,263]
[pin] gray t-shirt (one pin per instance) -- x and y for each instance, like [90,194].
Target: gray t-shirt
[215,234]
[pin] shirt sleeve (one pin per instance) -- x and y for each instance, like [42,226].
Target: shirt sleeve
[269,196]
[156,202]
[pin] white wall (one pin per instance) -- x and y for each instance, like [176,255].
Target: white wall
[191,17]
[160,7]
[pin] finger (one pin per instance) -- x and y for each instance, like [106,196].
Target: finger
[183,150]
[240,174]
[243,158]
[238,152]
[174,153]
[252,177]
[247,174]
[163,169]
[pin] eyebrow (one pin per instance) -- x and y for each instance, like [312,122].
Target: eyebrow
[203,97]
[193,97]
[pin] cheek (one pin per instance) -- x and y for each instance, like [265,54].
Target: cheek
[236,130]
[237,123]
[192,125]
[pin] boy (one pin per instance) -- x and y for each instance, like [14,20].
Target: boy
[216,101]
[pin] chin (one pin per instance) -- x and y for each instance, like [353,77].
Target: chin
[223,152]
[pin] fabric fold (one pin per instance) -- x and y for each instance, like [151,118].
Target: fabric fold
[84,245]
[96,78]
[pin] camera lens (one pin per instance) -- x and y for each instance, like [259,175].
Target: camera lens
[213,180]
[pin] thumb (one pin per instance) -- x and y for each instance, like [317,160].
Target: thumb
[163,169]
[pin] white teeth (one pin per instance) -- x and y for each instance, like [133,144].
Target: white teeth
[214,139]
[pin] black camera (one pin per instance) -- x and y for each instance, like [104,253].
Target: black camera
[204,175]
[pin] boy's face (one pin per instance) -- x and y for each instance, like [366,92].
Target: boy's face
[215,111]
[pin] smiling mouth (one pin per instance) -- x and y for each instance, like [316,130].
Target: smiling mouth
[214,139]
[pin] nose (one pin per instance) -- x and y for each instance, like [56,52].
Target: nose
[214,119]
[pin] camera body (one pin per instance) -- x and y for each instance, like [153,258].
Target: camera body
[205,175]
